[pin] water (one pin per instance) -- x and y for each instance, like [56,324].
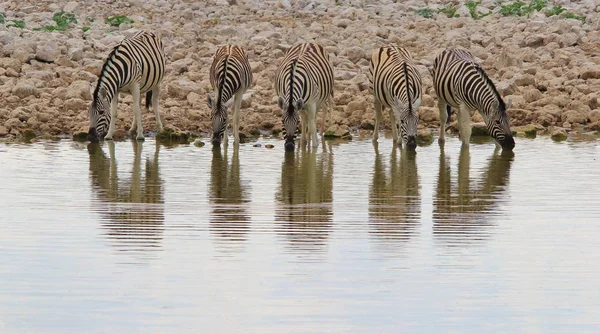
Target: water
[140,238]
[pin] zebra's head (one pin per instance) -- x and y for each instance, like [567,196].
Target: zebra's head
[407,120]
[498,126]
[99,113]
[290,118]
[219,118]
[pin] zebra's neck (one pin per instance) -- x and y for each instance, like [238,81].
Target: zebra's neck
[291,91]
[223,95]
[110,88]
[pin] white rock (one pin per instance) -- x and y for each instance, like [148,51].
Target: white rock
[48,51]
[79,89]
[71,6]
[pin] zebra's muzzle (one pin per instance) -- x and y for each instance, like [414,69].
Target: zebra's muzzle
[93,135]
[411,143]
[508,143]
[289,144]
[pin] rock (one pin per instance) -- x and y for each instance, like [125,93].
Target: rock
[48,51]
[534,41]
[257,145]
[79,89]
[199,143]
[424,137]
[25,89]
[338,131]
[525,80]
[75,104]
[182,87]
[590,71]
[3,131]
[269,146]
[479,130]
[357,105]
[354,54]
[71,6]
[594,116]
[559,134]
[528,131]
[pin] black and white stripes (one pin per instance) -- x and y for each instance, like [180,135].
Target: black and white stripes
[230,77]
[304,82]
[137,66]
[396,84]
[461,83]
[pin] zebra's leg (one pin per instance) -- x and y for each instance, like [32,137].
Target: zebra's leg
[377,120]
[464,121]
[237,103]
[155,94]
[444,114]
[326,112]
[312,124]
[137,112]
[113,117]
[303,130]
[394,123]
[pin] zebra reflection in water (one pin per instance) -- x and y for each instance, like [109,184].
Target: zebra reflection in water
[229,198]
[132,209]
[394,197]
[305,198]
[463,210]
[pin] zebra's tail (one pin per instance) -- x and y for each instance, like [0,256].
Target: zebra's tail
[149,99]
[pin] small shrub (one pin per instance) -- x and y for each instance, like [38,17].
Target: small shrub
[85,28]
[16,23]
[538,4]
[472,7]
[575,16]
[449,11]
[425,12]
[518,8]
[117,20]
[555,10]
[2,18]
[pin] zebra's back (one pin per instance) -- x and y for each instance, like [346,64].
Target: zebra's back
[394,74]
[313,73]
[139,57]
[230,71]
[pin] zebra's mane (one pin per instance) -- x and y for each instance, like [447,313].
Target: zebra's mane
[490,84]
[103,72]
[222,82]
[292,75]
[405,69]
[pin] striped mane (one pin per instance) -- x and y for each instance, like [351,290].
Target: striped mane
[103,72]
[491,85]
[221,83]
[291,91]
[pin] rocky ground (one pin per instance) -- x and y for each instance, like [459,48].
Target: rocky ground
[548,66]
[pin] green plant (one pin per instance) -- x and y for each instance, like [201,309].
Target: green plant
[449,11]
[555,10]
[338,2]
[16,23]
[425,12]
[62,20]
[117,20]
[518,8]
[538,4]
[1,18]
[85,28]
[472,7]
[575,16]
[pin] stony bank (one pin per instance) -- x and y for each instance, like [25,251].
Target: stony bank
[549,66]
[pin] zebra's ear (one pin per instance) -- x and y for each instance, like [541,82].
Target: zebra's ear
[299,104]
[229,103]
[508,104]
[280,102]
[209,100]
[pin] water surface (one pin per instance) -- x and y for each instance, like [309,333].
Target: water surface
[146,238]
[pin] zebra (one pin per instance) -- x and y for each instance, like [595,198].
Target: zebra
[230,77]
[461,83]
[136,65]
[396,84]
[303,84]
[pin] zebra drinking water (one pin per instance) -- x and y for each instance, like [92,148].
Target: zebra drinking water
[396,84]
[230,77]
[136,65]
[304,82]
[461,83]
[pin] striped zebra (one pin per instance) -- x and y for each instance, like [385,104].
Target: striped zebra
[396,84]
[136,65]
[230,77]
[461,83]
[303,84]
